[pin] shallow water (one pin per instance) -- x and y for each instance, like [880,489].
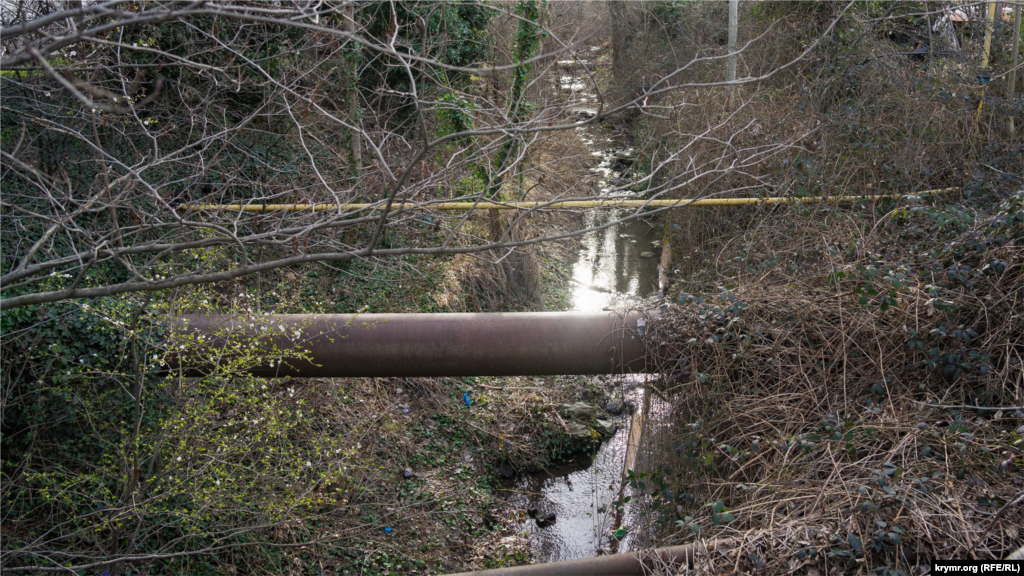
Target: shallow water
[583,494]
[619,261]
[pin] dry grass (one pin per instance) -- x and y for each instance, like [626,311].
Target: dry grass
[809,370]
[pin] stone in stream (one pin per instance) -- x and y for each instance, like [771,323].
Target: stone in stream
[546,520]
[506,471]
[606,427]
[613,407]
[621,162]
[579,431]
[579,410]
[540,510]
[647,254]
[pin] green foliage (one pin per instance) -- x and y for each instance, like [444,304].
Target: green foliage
[452,33]
[670,14]
[527,42]
[410,284]
[381,564]
[132,460]
[456,116]
[68,363]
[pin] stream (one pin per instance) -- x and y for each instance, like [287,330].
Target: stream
[587,495]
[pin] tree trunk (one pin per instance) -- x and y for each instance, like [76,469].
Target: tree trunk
[622,38]
[734,23]
[353,97]
[1012,82]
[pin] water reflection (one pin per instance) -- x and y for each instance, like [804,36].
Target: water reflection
[619,261]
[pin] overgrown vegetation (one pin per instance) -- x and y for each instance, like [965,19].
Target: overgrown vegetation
[844,380]
[853,404]
[139,470]
[234,473]
[842,383]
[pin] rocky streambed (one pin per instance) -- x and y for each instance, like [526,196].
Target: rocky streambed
[580,508]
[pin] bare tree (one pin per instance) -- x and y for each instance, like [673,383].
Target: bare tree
[119,118]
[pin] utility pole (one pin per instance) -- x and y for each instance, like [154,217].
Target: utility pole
[734,22]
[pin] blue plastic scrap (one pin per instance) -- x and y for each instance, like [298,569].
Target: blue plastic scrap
[465,396]
[387,530]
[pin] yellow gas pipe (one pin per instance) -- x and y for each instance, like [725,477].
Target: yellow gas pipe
[680,203]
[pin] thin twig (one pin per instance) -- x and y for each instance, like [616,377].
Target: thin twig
[968,407]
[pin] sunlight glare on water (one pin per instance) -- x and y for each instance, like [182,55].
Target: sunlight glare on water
[614,263]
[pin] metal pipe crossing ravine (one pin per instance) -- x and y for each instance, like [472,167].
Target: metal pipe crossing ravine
[397,345]
[642,562]
[680,203]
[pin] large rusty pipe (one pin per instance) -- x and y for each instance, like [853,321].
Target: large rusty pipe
[353,345]
[643,562]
